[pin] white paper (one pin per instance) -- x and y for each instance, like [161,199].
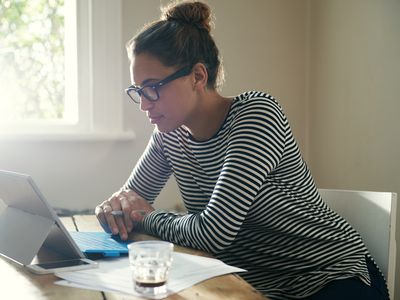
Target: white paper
[114,275]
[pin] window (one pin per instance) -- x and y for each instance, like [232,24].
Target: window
[32,69]
[61,66]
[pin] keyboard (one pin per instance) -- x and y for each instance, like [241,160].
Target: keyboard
[101,243]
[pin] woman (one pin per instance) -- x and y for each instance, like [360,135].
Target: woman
[250,198]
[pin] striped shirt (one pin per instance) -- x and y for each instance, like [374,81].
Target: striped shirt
[251,202]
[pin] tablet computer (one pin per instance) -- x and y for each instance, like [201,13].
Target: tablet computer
[31,234]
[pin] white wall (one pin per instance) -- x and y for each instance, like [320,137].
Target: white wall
[263,44]
[354,96]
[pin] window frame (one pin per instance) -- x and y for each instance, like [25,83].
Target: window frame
[94,79]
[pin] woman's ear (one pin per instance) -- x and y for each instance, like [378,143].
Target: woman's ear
[200,76]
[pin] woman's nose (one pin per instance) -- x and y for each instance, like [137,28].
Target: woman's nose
[145,104]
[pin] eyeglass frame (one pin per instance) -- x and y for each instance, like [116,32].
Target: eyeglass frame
[156,85]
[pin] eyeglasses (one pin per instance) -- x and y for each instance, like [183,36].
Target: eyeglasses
[150,91]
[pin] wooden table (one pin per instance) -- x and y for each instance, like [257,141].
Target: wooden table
[18,283]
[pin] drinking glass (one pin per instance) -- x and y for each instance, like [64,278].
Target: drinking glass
[150,262]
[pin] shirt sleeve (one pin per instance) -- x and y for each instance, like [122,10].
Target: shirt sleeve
[151,171]
[255,148]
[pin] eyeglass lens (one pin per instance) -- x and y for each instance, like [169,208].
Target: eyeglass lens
[149,92]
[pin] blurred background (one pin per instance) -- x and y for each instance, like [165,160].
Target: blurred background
[334,66]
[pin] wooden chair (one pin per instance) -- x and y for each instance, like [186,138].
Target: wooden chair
[373,215]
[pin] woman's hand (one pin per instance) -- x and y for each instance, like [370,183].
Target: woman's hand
[134,208]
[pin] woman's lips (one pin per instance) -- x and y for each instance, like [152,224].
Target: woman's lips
[155,119]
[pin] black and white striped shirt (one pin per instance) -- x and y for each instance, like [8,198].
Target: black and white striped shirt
[251,202]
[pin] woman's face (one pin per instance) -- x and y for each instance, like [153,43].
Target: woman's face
[176,103]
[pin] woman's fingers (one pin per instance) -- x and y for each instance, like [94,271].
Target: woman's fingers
[102,219]
[120,226]
[120,211]
[126,208]
[107,210]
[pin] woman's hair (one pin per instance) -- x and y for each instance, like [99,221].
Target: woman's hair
[181,38]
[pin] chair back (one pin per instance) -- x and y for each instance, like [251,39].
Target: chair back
[373,215]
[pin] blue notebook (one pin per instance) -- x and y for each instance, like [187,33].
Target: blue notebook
[100,244]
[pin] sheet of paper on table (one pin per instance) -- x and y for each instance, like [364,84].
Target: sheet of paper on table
[114,275]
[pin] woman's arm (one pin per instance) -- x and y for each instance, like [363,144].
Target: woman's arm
[255,147]
[136,197]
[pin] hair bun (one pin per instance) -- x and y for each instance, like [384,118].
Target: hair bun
[191,13]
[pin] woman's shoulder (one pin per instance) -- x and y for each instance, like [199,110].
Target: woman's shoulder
[254,94]
[256,101]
